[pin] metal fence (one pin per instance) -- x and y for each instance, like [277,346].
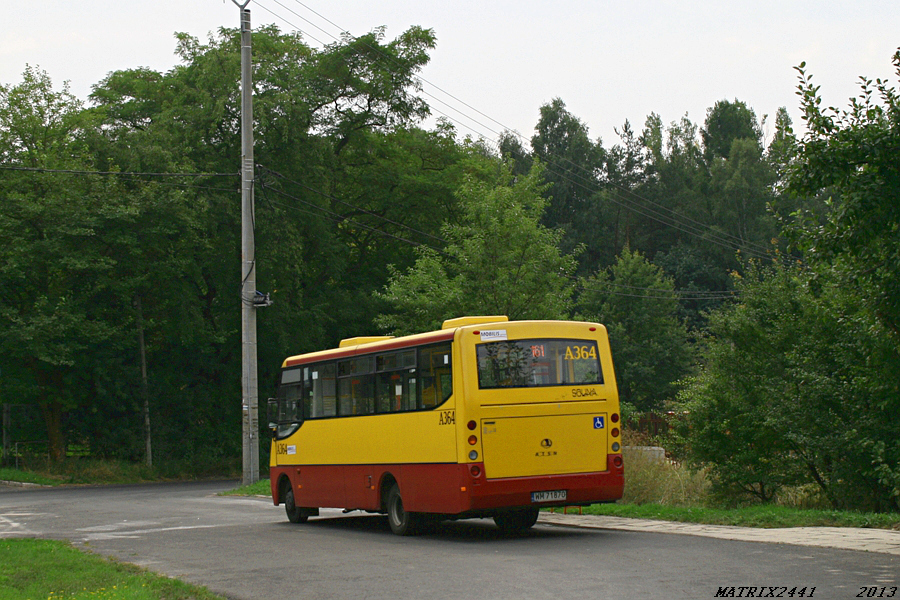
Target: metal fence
[30,454]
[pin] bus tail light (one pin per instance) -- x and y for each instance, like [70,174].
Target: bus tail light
[475,470]
[473,440]
[614,418]
[473,455]
[617,462]
[471,425]
[615,432]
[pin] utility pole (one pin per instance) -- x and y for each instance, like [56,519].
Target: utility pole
[249,378]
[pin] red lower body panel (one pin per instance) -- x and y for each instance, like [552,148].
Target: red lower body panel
[449,489]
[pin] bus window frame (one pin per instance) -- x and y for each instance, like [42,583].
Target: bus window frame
[409,363]
[534,341]
[285,427]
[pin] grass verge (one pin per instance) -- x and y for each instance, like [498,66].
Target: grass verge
[89,471]
[763,515]
[49,569]
[260,488]
[9,474]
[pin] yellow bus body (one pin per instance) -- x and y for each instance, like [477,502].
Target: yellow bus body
[480,448]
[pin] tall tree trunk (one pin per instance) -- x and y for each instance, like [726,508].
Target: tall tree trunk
[52,412]
[50,403]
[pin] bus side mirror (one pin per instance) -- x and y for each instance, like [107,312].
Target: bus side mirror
[273,413]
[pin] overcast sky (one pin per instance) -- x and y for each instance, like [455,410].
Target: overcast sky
[608,60]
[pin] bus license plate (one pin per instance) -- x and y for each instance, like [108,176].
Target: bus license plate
[552,496]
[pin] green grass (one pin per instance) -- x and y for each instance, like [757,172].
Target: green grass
[90,471]
[39,569]
[260,488]
[763,515]
[10,474]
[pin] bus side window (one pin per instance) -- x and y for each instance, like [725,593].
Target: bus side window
[384,393]
[411,401]
[290,406]
[345,398]
[364,394]
[395,381]
[435,380]
[427,390]
[309,409]
[356,386]
[320,392]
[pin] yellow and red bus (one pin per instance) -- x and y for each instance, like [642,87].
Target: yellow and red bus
[485,418]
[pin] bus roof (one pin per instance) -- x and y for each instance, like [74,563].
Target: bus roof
[382,344]
[370,344]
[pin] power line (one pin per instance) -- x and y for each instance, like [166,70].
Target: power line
[711,293]
[353,206]
[124,173]
[660,214]
[654,293]
[337,217]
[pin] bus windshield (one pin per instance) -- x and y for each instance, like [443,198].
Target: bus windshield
[538,363]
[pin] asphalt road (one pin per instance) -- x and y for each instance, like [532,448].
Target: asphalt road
[245,548]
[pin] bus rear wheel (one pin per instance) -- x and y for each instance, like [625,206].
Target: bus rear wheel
[295,514]
[516,520]
[401,521]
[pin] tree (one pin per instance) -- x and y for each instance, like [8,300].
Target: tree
[349,180]
[726,122]
[740,192]
[512,149]
[498,260]
[852,157]
[638,305]
[56,274]
[783,148]
[346,181]
[794,388]
[573,163]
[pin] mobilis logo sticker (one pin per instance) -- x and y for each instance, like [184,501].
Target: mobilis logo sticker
[493,335]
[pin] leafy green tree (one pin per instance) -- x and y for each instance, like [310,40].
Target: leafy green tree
[740,193]
[499,259]
[350,183]
[347,184]
[638,305]
[794,388]
[573,163]
[511,148]
[677,179]
[56,271]
[783,148]
[726,122]
[851,157]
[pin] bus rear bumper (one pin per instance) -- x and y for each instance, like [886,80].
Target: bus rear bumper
[579,488]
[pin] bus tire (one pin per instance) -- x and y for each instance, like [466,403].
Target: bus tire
[516,520]
[401,521]
[295,514]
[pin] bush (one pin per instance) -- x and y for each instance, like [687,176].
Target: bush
[651,480]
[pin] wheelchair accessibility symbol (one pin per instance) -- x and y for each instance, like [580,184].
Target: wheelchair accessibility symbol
[598,422]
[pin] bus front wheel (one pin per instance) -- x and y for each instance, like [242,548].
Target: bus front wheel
[516,520]
[401,521]
[295,514]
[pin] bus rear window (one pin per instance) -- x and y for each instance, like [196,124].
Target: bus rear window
[538,363]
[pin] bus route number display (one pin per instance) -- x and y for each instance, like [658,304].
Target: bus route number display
[572,352]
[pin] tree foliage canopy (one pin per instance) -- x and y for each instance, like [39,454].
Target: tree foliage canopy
[365,219]
[499,259]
